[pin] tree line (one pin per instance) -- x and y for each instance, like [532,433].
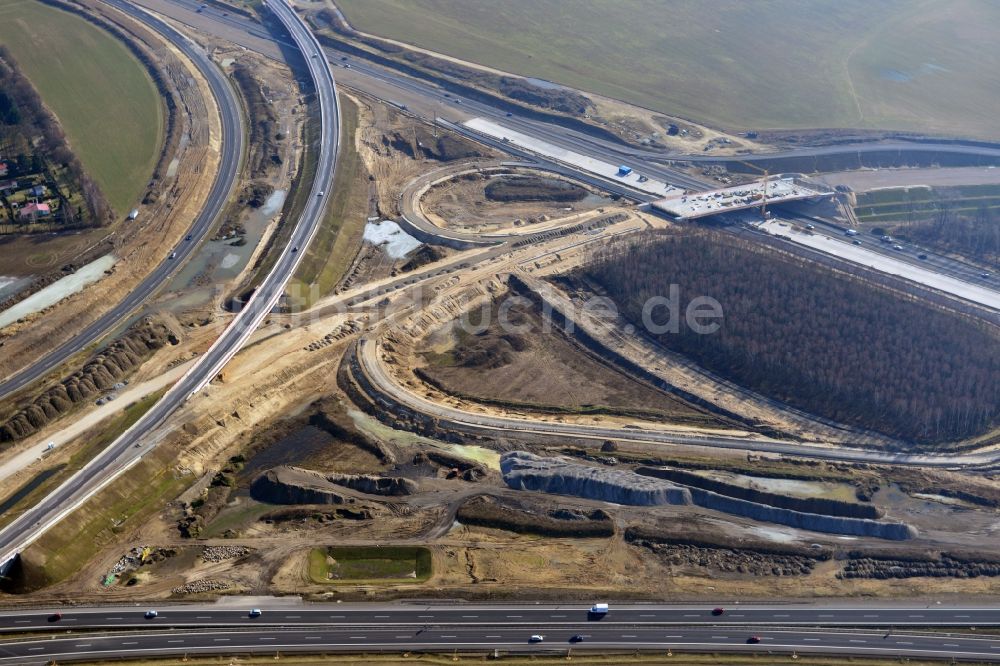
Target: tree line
[25,118]
[824,342]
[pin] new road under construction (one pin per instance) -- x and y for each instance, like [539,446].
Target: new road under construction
[449,405]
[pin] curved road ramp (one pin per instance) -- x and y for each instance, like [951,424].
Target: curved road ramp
[558,476]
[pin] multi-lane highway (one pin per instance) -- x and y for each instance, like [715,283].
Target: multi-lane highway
[232,145]
[844,614]
[129,448]
[873,630]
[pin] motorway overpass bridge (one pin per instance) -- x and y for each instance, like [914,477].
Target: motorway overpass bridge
[758,194]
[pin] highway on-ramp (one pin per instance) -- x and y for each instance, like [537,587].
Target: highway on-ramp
[129,448]
[888,631]
[233,141]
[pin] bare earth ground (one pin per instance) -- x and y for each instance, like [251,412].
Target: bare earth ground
[462,204]
[550,370]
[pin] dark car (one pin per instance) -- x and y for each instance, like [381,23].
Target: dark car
[753,639]
[921,256]
[55,617]
[576,638]
[718,611]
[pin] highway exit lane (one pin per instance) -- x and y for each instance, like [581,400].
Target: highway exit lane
[269,641]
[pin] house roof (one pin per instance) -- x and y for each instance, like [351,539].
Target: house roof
[35,208]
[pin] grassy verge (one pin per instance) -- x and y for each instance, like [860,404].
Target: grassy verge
[102,95]
[30,493]
[370,565]
[134,496]
[339,235]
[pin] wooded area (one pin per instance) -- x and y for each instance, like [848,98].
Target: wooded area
[824,342]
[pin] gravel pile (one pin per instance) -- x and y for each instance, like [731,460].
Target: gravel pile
[200,586]
[221,553]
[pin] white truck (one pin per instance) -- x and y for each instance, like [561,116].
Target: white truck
[599,609]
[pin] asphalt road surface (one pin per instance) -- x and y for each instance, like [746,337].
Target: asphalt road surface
[129,448]
[451,417]
[232,152]
[387,627]
[524,616]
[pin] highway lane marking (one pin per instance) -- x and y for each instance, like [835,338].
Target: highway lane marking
[692,615]
[949,644]
[267,638]
[311,638]
[377,617]
[714,638]
[825,616]
[112,618]
[558,616]
[443,636]
[961,616]
[219,640]
[336,617]
[648,615]
[403,636]
[855,640]
[812,640]
[465,616]
[21,621]
[916,616]
[863,616]
[82,645]
[736,615]
[296,617]
[903,643]
[354,638]
[493,637]
[628,635]
[673,637]
[513,616]
[130,642]
[36,648]
[203,617]
[433,616]
[176,640]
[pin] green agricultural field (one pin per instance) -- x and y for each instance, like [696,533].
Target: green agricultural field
[103,96]
[901,204]
[367,564]
[901,64]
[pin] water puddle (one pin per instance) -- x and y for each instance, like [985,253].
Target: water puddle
[58,290]
[11,285]
[220,261]
[379,430]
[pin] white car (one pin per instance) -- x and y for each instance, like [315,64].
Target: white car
[536,638]
[255,612]
[321,193]
[150,614]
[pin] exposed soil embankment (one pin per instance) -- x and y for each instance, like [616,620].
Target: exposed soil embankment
[822,505]
[530,188]
[292,485]
[727,554]
[525,471]
[421,143]
[731,503]
[100,374]
[489,512]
